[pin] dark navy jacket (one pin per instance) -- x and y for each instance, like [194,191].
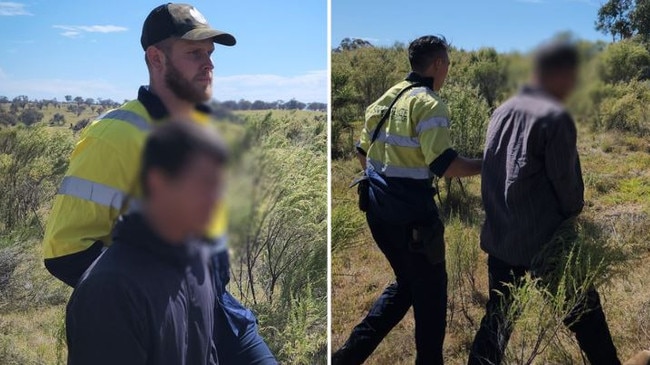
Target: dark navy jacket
[143,302]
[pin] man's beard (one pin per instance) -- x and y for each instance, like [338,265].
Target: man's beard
[184,89]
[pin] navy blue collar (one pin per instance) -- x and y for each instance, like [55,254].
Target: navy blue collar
[155,106]
[134,230]
[416,77]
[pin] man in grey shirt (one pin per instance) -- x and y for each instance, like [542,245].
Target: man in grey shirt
[531,186]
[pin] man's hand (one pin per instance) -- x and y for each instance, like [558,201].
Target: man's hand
[462,167]
[362,160]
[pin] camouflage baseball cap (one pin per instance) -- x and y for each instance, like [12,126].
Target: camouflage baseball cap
[183,21]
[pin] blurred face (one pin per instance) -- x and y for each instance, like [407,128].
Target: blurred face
[188,69]
[561,83]
[191,197]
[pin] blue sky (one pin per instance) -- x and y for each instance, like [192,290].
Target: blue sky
[470,24]
[53,48]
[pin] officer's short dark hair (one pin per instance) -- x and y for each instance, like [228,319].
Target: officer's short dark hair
[172,146]
[556,56]
[425,50]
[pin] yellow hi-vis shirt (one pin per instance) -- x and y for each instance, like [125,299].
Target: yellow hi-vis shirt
[415,135]
[102,182]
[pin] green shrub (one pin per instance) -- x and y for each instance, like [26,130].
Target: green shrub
[624,61]
[624,108]
[32,163]
[469,117]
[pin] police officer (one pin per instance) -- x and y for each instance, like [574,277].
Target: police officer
[404,144]
[102,178]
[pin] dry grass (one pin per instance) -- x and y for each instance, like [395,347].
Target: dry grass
[617,178]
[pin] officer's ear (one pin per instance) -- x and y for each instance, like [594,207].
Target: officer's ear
[155,57]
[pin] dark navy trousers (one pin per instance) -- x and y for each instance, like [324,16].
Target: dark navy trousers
[419,283]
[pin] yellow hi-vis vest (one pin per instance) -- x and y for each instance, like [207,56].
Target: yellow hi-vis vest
[414,136]
[102,182]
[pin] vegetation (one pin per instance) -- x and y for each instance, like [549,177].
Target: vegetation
[610,108]
[277,235]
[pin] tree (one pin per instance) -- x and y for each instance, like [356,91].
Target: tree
[68,98]
[244,104]
[3,99]
[20,101]
[641,17]
[348,44]
[624,18]
[57,119]
[294,104]
[78,100]
[259,105]
[89,101]
[8,118]
[31,116]
[317,106]
[624,61]
[488,74]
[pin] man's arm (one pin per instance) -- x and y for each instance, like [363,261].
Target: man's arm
[89,200]
[362,159]
[463,167]
[563,164]
[106,323]
[435,140]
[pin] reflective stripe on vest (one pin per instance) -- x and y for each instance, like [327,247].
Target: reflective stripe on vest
[93,191]
[435,122]
[397,171]
[218,244]
[399,141]
[128,117]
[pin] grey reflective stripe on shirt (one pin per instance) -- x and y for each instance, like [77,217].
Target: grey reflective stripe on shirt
[218,244]
[400,141]
[435,122]
[129,117]
[395,140]
[93,191]
[397,171]
[418,90]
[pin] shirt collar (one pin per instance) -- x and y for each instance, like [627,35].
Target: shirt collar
[133,229]
[416,77]
[157,109]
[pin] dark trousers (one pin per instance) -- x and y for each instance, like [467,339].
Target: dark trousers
[419,283]
[586,321]
[246,348]
[235,331]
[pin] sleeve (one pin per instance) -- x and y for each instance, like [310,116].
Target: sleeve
[563,165]
[106,324]
[372,117]
[432,128]
[91,196]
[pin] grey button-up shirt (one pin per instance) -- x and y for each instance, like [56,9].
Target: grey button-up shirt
[531,178]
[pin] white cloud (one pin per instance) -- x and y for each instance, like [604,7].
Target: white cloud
[13,9]
[73,31]
[308,87]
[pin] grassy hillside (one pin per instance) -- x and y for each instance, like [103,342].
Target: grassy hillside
[617,181]
[611,110]
[267,145]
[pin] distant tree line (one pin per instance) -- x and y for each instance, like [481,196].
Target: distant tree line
[29,112]
[21,102]
[292,104]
